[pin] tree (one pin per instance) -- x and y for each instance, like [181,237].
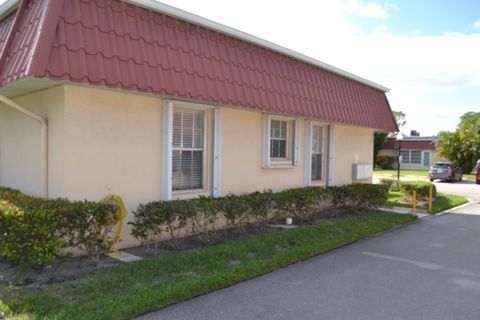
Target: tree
[399,118]
[379,138]
[462,145]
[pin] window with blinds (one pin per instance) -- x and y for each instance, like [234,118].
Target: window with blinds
[415,157]
[411,156]
[188,132]
[317,153]
[405,154]
[278,139]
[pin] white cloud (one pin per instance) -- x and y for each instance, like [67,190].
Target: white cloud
[476,25]
[373,10]
[368,9]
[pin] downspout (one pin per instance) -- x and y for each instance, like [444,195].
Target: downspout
[44,126]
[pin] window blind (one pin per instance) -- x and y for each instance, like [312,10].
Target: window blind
[415,156]
[188,131]
[278,139]
[405,156]
[317,152]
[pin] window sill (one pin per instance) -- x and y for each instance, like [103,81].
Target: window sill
[279,166]
[189,194]
[318,183]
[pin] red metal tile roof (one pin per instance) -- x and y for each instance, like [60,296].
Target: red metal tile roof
[118,45]
[391,144]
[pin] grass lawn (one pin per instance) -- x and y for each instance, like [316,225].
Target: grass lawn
[403,173]
[127,290]
[414,173]
[442,201]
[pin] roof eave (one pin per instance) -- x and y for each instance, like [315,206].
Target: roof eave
[198,20]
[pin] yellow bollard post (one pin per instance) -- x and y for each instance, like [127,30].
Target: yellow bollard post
[430,199]
[414,203]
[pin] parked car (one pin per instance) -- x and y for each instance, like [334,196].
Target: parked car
[445,170]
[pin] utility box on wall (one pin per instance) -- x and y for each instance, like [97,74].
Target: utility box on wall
[362,171]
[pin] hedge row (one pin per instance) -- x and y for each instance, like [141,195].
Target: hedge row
[422,188]
[157,221]
[35,230]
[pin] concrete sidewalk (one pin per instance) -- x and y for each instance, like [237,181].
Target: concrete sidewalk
[402,210]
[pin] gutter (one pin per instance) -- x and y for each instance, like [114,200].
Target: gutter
[7,7]
[44,124]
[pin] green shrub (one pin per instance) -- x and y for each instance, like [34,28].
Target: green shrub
[365,196]
[391,184]
[259,205]
[87,224]
[234,208]
[154,219]
[161,220]
[421,187]
[204,213]
[358,197]
[384,162]
[299,202]
[28,238]
[39,228]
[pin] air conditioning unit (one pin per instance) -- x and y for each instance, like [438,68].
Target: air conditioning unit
[362,171]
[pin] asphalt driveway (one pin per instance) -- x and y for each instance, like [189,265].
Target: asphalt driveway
[466,188]
[427,270]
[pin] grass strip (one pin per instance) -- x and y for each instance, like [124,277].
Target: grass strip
[443,201]
[446,201]
[392,173]
[128,290]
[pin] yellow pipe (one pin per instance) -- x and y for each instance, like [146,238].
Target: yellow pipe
[430,196]
[414,203]
[121,214]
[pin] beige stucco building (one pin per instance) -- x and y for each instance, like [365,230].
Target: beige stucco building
[79,124]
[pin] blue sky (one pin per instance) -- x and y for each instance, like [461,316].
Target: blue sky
[427,17]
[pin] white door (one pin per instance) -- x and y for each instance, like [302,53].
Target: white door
[426,159]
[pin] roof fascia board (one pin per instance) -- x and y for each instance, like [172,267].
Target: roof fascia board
[7,7]
[198,20]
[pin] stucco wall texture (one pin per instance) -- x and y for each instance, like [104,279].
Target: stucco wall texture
[109,142]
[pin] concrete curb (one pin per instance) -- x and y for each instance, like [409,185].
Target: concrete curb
[470,201]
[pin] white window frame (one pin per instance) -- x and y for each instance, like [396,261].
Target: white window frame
[410,157]
[429,158]
[405,161]
[327,152]
[167,149]
[203,149]
[267,161]
[420,161]
[287,139]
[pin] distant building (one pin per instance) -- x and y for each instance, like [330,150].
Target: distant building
[417,152]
